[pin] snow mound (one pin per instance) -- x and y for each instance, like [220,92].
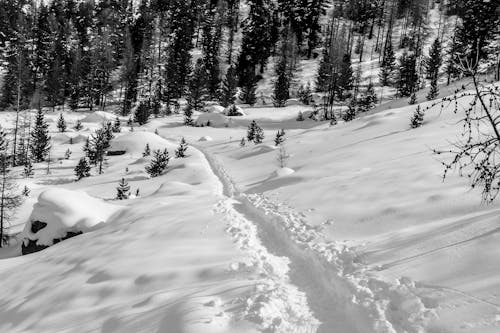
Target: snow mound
[233,110]
[134,142]
[212,119]
[205,138]
[65,211]
[213,109]
[98,117]
[283,172]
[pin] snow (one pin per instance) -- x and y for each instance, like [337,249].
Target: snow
[134,142]
[214,108]
[283,172]
[215,119]
[98,117]
[205,138]
[64,210]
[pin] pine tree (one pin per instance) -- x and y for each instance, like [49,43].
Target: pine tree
[282,85]
[418,118]
[433,91]
[159,163]
[280,137]
[345,77]
[229,88]
[251,131]
[28,169]
[123,190]
[433,65]
[40,139]
[300,116]
[26,191]
[78,126]
[197,92]
[407,74]
[388,65]
[67,154]
[142,113]
[258,134]
[188,117]
[61,123]
[257,41]
[9,198]
[82,169]
[181,150]
[147,151]
[350,113]
[305,94]
[117,126]
[369,99]
[248,88]
[324,75]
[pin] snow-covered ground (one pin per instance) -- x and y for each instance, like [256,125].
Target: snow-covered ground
[357,233]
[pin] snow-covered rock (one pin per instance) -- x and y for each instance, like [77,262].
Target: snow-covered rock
[205,138]
[282,172]
[135,142]
[213,120]
[215,108]
[60,214]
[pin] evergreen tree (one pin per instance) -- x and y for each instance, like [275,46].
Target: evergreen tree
[123,190]
[479,21]
[251,131]
[142,113]
[40,139]
[257,40]
[147,151]
[418,118]
[67,154]
[229,88]
[433,91]
[407,74]
[178,63]
[78,126]
[159,163]
[117,126]
[180,152]
[61,123]
[305,94]
[300,116]
[346,76]
[99,143]
[212,33]
[197,87]
[325,70]
[188,117]
[350,113]
[248,88]
[388,65]
[26,191]
[82,169]
[258,134]
[433,65]
[280,137]
[282,85]
[10,200]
